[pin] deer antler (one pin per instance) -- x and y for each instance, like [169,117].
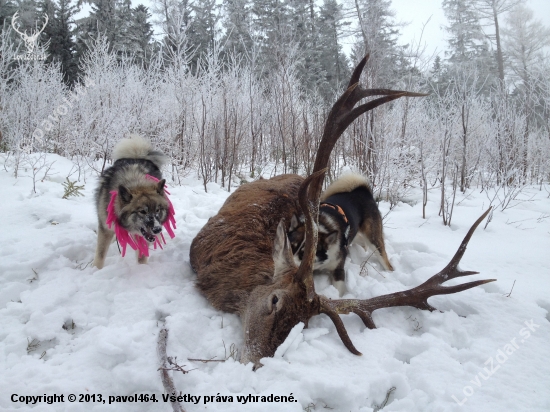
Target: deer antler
[416,297]
[28,39]
[340,117]
[13,20]
[44,26]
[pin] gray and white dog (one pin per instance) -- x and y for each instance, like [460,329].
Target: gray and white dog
[141,207]
[347,213]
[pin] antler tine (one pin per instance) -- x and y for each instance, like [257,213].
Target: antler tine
[13,20]
[343,113]
[44,25]
[416,297]
[309,202]
[451,271]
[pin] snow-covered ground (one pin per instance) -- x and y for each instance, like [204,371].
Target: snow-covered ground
[67,328]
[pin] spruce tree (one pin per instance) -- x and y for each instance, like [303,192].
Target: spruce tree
[58,31]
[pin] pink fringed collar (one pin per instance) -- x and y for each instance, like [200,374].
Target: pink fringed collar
[138,242]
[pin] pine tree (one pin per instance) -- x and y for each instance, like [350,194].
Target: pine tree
[491,10]
[332,60]
[467,43]
[237,24]
[140,33]
[378,35]
[525,40]
[7,9]
[202,31]
[58,31]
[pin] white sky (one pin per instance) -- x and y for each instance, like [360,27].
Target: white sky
[418,12]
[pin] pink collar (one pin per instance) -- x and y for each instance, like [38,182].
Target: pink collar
[138,242]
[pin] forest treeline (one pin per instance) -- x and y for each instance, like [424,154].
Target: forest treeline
[231,89]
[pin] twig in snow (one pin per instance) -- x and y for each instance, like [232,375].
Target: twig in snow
[233,351]
[206,360]
[32,345]
[167,381]
[513,284]
[364,267]
[379,407]
[35,276]
[174,366]
[489,218]
[308,408]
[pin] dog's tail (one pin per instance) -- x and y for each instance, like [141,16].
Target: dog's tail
[137,147]
[346,183]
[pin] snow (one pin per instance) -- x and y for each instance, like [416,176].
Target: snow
[68,328]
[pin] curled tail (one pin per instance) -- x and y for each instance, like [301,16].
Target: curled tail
[345,183]
[137,147]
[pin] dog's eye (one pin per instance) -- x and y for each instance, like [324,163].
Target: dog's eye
[143,212]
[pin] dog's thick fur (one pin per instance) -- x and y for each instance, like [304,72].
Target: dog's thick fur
[360,222]
[141,206]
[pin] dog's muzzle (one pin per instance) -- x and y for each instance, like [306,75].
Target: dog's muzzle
[150,237]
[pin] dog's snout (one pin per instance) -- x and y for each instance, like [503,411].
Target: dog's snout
[157,230]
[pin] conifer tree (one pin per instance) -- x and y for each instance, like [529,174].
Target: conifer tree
[59,33]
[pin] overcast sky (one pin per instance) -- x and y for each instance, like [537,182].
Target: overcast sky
[418,12]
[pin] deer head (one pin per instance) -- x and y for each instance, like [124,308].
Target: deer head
[30,40]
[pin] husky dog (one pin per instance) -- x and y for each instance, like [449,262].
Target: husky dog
[347,213]
[140,205]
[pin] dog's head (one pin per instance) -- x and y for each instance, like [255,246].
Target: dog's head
[331,244]
[143,210]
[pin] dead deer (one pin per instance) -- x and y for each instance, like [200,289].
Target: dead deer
[244,262]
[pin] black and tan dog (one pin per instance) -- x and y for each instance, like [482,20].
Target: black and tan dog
[140,206]
[347,213]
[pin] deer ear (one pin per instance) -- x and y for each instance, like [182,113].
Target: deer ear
[282,254]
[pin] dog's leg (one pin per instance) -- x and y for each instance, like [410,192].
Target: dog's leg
[339,279]
[141,259]
[104,238]
[371,234]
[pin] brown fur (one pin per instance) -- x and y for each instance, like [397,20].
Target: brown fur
[243,232]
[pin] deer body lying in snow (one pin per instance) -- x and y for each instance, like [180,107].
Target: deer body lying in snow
[244,261]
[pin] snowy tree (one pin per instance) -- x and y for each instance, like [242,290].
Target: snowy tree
[7,9]
[203,29]
[491,10]
[237,24]
[378,37]
[525,40]
[333,62]
[468,47]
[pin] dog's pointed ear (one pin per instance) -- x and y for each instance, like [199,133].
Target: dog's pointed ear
[160,187]
[124,194]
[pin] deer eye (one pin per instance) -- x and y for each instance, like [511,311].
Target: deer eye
[272,303]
